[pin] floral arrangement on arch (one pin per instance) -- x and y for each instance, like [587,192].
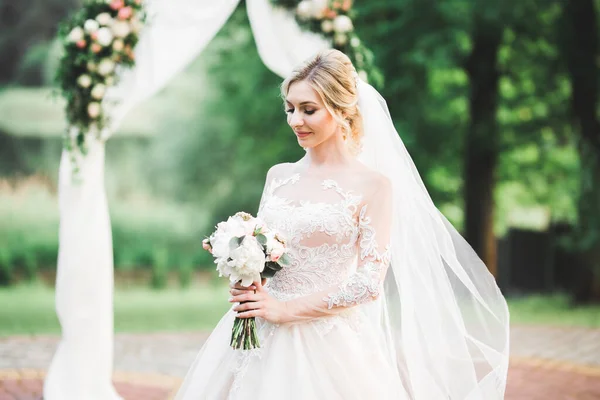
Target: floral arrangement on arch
[97,39]
[334,20]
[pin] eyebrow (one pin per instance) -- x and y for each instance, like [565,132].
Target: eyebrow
[304,102]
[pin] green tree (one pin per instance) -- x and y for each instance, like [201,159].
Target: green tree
[581,51]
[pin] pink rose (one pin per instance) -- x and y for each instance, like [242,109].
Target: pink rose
[125,13]
[117,4]
[276,253]
[81,43]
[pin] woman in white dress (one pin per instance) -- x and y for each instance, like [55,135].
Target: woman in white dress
[383,299]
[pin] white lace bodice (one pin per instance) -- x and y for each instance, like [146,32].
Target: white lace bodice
[331,236]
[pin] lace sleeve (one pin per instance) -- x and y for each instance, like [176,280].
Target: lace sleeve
[265,191]
[374,253]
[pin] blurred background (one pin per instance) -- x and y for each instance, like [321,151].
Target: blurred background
[497,102]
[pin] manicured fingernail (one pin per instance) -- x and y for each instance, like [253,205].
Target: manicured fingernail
[231,298]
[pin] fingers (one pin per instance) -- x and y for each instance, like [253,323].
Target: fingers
[238,286]
[251,313]
[252,305]
[237,292]
[259,285]
[252,297]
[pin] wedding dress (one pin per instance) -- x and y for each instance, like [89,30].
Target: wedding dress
[415,314]
[332,239]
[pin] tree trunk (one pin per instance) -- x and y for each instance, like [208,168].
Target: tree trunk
[481,147]
[581,49]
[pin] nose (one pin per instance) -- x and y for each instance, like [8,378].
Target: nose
[295,120]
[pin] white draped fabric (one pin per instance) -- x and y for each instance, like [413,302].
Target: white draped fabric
[176,32]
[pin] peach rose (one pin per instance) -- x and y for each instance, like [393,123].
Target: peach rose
[117,4]
[329,13]
[125,13]
[96,48]
[276,253]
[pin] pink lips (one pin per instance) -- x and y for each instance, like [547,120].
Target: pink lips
[302,135]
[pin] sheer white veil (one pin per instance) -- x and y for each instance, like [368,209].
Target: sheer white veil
[446,321]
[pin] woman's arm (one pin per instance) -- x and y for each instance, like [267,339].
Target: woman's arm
[361,287]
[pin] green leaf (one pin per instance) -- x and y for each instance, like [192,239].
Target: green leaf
[262,239]
[235,241]
[283,260]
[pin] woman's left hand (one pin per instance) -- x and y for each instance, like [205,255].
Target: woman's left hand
[260,304]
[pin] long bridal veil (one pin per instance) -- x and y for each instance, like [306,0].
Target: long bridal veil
[446,321]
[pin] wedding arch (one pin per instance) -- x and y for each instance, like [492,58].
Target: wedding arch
[118,53]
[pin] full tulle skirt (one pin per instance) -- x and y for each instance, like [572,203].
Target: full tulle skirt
[336,357]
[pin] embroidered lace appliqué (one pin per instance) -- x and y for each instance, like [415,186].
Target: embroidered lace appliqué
[312,268]
[365,284]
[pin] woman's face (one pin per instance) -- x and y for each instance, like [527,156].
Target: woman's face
[307,116]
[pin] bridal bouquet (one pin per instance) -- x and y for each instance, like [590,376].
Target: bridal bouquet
[245,251]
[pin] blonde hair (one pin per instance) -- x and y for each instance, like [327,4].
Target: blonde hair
[331,74]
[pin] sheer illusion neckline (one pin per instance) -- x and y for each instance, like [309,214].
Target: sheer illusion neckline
[326,184]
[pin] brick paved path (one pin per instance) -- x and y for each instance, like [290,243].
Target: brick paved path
[546,364]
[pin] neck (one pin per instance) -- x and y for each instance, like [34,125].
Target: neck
[329,154]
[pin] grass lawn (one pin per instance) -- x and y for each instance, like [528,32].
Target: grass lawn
[29,309]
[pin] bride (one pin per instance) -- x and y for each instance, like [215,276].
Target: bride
[383,298]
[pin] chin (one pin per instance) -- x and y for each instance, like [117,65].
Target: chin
[306,144]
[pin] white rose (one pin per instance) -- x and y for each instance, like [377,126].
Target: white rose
[104,36]
[136,25]
[327,26]
[104,19]
[304,9]
[355,42]
[340,39]
[121,29]
[91,66]
[223,235]
[247,261]
[222,266]
[76,34]
[118,45]
[91,26]
[106,67]
[342,24]
[84,81]
[318,8]
[109,81]
[93,109]
[261,225]
[98,91]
